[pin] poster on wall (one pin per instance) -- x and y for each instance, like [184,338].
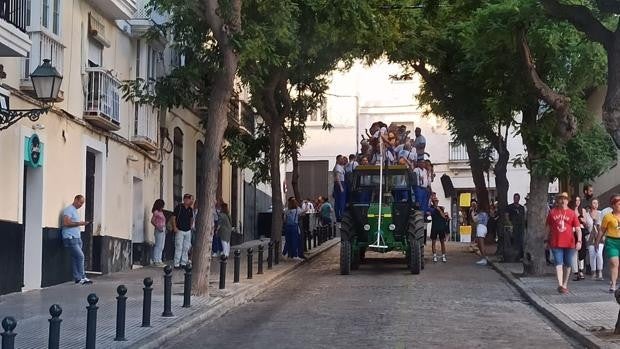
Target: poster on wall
[464,199]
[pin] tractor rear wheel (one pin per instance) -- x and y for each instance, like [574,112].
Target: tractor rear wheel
[415,262]
[345,257]
[416,232]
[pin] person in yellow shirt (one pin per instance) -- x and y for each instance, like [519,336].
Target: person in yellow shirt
[610,227]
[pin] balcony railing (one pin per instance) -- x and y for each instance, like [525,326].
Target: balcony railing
[145,127]
[458,152]
[44,46]
[102,98]
[15,12]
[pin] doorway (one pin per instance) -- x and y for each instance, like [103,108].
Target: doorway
[137,228]
[33,221]
[92,253]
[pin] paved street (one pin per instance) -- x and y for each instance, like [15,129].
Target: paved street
[453,305]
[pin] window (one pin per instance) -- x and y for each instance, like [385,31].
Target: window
[177,167]
[45,14]
[95,53]
[56,17]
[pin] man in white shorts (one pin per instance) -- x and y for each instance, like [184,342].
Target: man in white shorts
[481,217]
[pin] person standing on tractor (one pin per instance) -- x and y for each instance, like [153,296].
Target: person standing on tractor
[438,229]
[421,188]
[339,188]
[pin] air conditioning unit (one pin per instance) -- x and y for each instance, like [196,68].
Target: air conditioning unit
[96,29]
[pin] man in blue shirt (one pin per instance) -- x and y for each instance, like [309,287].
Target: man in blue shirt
[71,238]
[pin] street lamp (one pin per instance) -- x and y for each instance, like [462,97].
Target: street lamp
[46,82]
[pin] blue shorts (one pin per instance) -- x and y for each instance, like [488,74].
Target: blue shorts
[563,256]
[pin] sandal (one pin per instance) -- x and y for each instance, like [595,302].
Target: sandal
[576,277]
[563,290]
[581,276]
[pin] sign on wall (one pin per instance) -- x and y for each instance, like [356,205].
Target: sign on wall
[33,151]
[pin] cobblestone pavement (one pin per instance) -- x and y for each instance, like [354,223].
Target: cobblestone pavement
[30,309]
[453,305]
[588,303]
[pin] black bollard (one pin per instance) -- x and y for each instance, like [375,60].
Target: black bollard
[237,270]
[616,294]
[223,272]
[167,292]
[309,238]
[250,264]
[146,302]
[315,235]
[91,321]
[270,255]
[54,336]
[8,336]
[260,259]
[278,251]
[121,309]
[187,287]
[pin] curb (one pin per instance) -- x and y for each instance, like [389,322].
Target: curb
[564,323]
[224,305]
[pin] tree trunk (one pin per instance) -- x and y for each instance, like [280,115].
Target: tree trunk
[477,172]
[295,174]
[217,120]
[501,168]
[611,106]
[534,252]
[275,141]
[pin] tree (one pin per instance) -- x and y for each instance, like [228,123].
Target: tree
[307,40]
[598,20]
[548,86]
[205,31]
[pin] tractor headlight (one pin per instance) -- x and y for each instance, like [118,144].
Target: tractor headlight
[367,227]
[392,227]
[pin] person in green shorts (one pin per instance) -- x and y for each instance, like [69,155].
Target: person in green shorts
[610,226]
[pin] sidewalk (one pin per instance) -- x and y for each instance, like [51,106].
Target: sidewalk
[588,312]
[31,309]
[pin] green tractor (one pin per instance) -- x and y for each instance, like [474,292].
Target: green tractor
[381,216]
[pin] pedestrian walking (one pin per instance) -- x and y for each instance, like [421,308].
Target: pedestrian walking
[182,227]
[516,215]
[326,209]
[595,241]
[224,229]
[216,242]
[71,238]
[158,220]
[291,230]
[578,265]
[563,238]
[610,228]
[438,230]
[481,217]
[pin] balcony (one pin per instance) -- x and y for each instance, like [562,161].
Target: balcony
[102,100]
[458,153]
[115,9]
[44,46]
[146,122]
[14,42]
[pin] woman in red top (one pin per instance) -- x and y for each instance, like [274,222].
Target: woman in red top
[562,227]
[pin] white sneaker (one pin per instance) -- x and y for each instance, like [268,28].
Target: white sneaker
[443,258]
[483,261]
[434,258]
[85,281]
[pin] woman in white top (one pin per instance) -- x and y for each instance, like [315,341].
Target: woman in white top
[595,251]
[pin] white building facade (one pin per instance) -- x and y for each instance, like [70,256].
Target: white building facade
[118,154]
